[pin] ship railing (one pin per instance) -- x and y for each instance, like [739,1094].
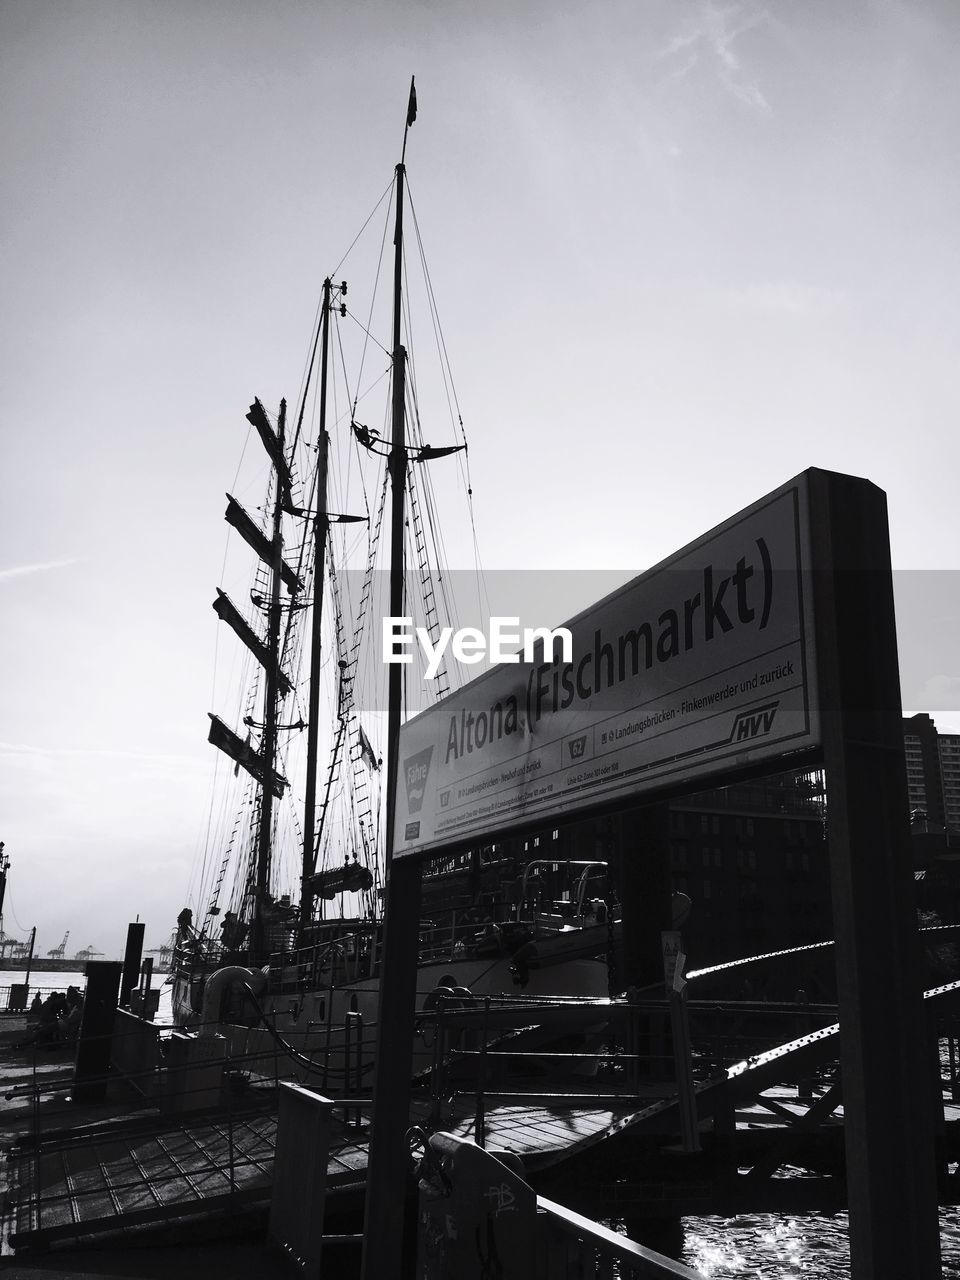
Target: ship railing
[340,957]
[350,956]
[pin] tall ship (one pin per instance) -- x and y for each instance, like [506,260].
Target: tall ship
[280,947]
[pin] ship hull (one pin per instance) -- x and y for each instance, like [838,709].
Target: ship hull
[327,1036]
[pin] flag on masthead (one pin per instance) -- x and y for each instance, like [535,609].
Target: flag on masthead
[412,104]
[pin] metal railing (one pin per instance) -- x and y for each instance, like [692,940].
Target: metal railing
[632,1048]
[572,1246]
[194,1136]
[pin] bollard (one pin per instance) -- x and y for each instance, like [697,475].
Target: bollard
[18,997]
[193,1074]
[131,962]
[476,1217]
[145,1003]
[300,1177]
[96,1031]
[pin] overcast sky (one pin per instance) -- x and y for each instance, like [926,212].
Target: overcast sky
[682,251]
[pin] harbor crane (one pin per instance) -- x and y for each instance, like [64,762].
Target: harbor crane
[58,952]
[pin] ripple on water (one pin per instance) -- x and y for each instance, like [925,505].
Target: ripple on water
[776,1247]
[788,1247]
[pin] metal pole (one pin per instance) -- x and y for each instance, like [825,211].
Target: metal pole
[480,1118]
[33,939]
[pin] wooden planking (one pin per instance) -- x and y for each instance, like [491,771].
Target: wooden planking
[127,1178]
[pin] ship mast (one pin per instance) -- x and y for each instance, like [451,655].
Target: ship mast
[383,1220]
[397,463]
[321,526]
[269,744]
[260,764]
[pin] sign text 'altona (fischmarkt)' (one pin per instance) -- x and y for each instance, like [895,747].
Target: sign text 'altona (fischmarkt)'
[701,664]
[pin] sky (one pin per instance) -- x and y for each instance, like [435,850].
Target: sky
[682,251]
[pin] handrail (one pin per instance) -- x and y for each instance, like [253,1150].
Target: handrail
[634,1259]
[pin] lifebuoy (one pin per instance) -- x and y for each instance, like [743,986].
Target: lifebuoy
[217,987]
[432,999]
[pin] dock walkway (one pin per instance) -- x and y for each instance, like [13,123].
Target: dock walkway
[115,1176]
[80,1177]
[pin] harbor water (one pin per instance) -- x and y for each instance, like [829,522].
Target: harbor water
[46,981]
[789,1247]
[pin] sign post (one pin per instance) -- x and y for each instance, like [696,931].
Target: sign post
[887,1102]
[768,644]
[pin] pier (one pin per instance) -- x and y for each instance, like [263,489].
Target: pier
[592,1119]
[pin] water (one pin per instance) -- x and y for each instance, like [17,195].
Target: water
[793,1246]
[789,1247]
[45,981]
[774,1246]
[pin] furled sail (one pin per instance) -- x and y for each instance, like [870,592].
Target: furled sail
[350,878]
[254,536]
[225,609]
[243,753]
[257,416]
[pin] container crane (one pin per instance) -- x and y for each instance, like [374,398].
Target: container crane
[58,952]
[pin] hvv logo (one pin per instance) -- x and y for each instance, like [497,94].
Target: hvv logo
[415,771]
[753,724]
